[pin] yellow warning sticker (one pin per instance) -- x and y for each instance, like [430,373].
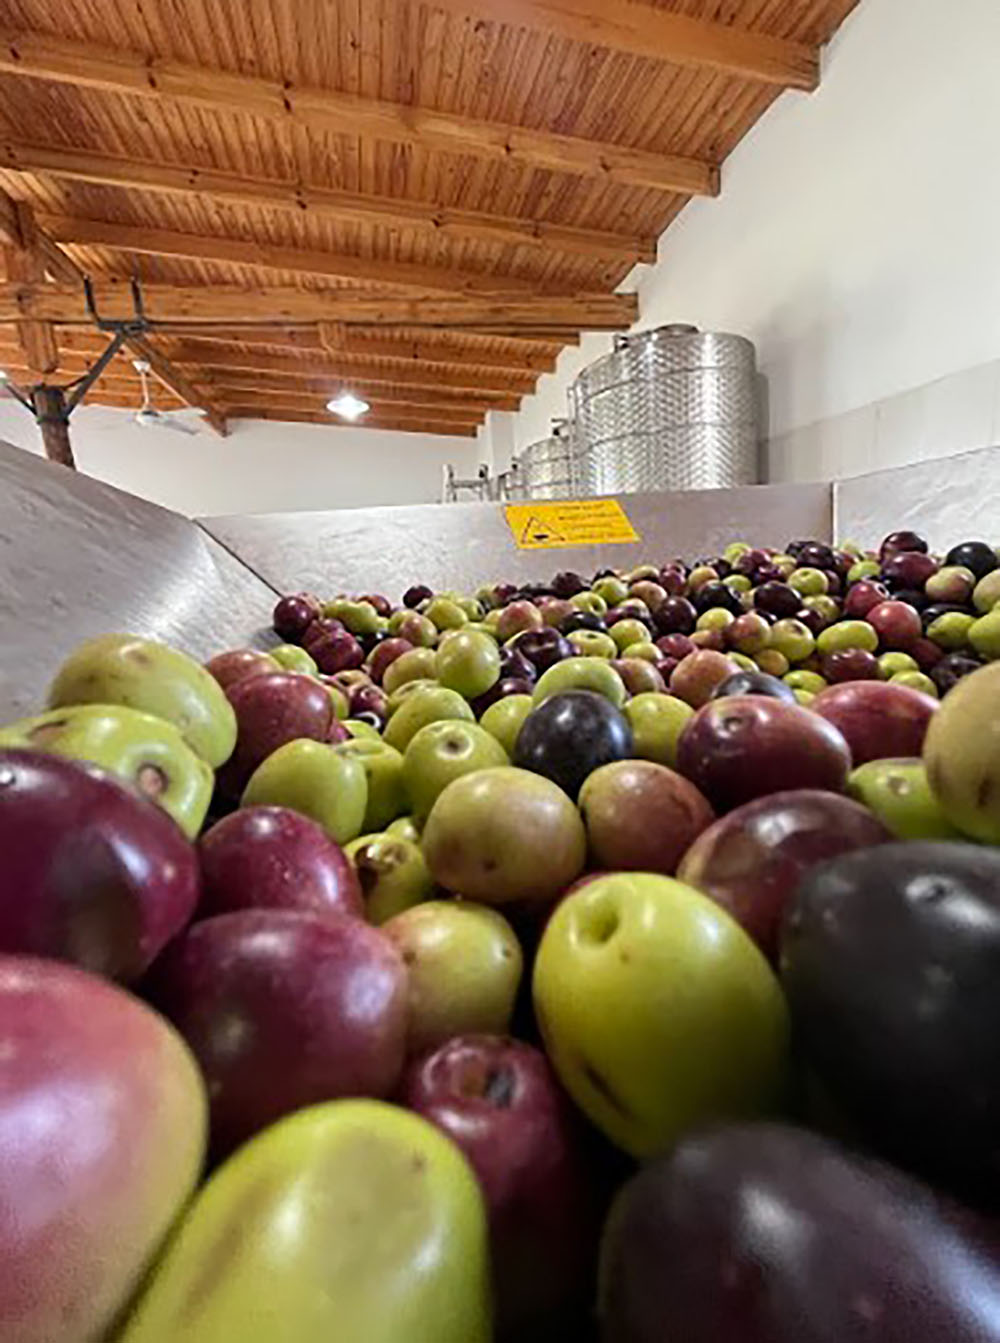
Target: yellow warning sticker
[570,522]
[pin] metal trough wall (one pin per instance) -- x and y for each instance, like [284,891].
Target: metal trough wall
[945,501]
[78,558]
[465,545]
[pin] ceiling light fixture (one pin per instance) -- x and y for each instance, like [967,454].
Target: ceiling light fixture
[348,406]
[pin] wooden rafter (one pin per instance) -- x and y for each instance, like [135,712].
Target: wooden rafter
[266,256]
[120,377]
[372,381]
[305,334]
[389,417]
[415,355]
[487,388]
[10,230]
[326,111]
[643,30]
[486,382]
[425,352]
[464,347]
[230,188]
[179,303]
[123,387]
[461,401]
[292,400]
[419,425]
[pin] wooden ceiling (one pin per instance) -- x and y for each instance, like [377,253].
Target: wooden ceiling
[421,202]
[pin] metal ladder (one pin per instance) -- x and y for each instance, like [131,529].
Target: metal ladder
[456,490]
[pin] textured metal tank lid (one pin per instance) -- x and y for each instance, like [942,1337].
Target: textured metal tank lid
[645,356]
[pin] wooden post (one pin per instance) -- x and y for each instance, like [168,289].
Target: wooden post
[53,421]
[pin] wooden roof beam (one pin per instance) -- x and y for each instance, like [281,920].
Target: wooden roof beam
[404,426]
[327,111]
[165,304]
[476,382]
[405,422]
[237,386]
[118,381]
[395,409]
[488,389]
[656,34]
[372,381]
[20,232]
[308,335]
[461,399]
[463,347]
[428,353]
[414,354]
[177,179]
[10,230]
[73,361]
[306,261]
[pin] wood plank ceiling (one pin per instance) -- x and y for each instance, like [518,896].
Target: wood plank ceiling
[420,202]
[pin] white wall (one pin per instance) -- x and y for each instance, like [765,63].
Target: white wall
[855,241]
[261,467]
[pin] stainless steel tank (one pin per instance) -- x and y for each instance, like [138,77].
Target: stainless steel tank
[547,469]
[670,409]
[510,484]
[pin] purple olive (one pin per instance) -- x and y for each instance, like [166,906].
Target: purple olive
[747,746]
[582,620]
[815,555]
[953,668]
[974,555]
[907,570]
[570,735]
[507,685]
[543,648]
[412,597]
[514,663]
[293,615]
[93,873]
[712,595]
[896,542]
[778,598]
[567,584]
[676,615]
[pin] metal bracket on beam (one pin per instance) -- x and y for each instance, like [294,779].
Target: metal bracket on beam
[120,331]
[52,404]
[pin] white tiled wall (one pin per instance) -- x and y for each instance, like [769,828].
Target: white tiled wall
[952,415]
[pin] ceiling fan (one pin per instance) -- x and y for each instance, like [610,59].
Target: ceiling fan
[148,417]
